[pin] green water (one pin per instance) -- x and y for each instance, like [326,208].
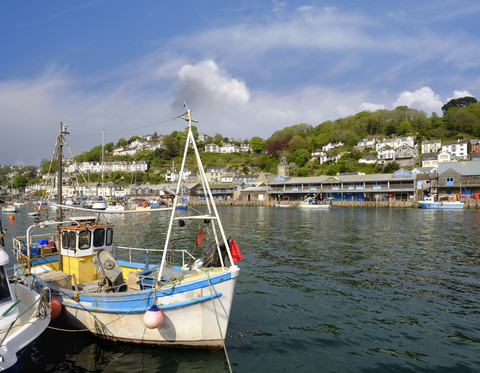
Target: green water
[345,290]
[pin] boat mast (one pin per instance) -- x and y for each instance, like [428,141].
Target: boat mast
[208,197]
[103,141]
[63,130]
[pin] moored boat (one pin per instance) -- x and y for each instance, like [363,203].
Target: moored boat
[24,312]
[311,203]
[116,292]
[428,202]
[11,208]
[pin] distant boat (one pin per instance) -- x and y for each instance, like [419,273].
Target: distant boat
[10,208]
[430,203]
[99,205]
[115,207]
[311,203]
[284,204]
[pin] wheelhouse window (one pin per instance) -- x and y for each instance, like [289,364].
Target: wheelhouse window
[109,240]
[84,239]
[69,240]
[5,295]
[99,237]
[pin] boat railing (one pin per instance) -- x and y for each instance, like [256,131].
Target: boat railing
[128,254]
[23,251]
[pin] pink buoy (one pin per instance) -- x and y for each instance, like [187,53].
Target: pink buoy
[153,318]
[56,308]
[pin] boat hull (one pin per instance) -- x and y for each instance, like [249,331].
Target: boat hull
[190,311]
[26,329]
[440,205]
[313,207]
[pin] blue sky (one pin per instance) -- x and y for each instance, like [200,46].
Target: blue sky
[245,68]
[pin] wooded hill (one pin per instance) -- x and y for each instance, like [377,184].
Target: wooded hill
[460,120]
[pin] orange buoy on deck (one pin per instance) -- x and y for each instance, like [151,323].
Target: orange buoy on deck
[11,217]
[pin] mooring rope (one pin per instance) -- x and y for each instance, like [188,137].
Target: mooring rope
[218,322]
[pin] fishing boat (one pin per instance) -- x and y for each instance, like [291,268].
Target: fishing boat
[11,208]
[311,203]
[429,202]
[24,315]
[118,293]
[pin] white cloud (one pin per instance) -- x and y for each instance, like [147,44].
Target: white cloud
[205,84]
[424,99]
[460,94]
[367,106]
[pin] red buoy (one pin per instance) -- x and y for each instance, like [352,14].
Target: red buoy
[56,308]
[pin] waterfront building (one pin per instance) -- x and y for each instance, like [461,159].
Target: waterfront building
[220,191]
[401,185]
[458,180]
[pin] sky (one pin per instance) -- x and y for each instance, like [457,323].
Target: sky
[245,68]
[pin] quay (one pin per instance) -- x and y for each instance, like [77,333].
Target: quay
[469,204]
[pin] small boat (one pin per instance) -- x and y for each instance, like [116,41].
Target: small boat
[311,203]
[99,205]
[284,204]
[119,292]
[115,207]
[11,208]
[24,315]
[429,202]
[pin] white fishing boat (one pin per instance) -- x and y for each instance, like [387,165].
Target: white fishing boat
[11,208]
[118,293]
[99,205]
[115,207]
[311,203]
[429,202]
[24,315]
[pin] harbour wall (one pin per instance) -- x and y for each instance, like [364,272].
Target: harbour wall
[469,204]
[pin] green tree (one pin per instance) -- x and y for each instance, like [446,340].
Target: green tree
[461,102]
[257,144]
[109,147]
[19,181]
[172,147]
[301,157]
[121,143]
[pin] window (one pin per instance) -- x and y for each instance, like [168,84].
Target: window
[450,181]
[69,240]
[109,237]
[84,240]
[98,237]
[5,295]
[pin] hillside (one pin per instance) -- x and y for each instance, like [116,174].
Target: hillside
[461,120]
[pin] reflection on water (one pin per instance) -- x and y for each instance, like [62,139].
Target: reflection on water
[343,290]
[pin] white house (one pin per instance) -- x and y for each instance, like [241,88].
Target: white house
[229,148]
[320,155]
[396,142]
[368,159]
[329,146]
[431,146]
[212,148]
[459,149]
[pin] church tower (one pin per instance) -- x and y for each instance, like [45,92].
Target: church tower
[283,167]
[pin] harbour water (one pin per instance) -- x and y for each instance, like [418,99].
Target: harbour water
[344,290]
